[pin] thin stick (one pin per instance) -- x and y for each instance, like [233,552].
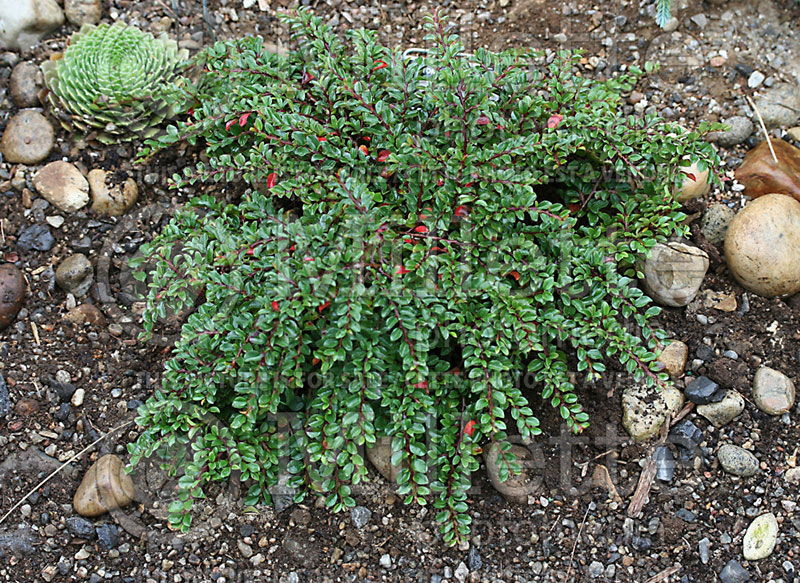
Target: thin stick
[64,465]
[763,127]
[577,539]
[665,573]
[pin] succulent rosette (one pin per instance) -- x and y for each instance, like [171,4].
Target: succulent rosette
[115,80]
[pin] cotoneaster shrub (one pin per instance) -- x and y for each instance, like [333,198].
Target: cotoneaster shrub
[419,234]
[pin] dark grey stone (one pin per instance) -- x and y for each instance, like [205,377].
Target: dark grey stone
[36,237]
[474,561]
[686,515]
[63,390]
[641,543]
[80,527]
[702,391]
[704,353]
[5,402]
[733,572]
[63,411]
[685,430]
[108,535]
[17,543]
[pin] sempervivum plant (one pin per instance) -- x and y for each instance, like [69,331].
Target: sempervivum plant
[115,80]
[420,234]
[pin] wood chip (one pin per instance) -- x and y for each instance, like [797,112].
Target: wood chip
[639,498]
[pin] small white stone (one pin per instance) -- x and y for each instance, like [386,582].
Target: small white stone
[55,221]
[756,79]
[82,555]
[386,561]
[77,397]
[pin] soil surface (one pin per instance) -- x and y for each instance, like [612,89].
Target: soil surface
[575,526]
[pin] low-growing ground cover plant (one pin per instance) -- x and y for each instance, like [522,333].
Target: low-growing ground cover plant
[418,235]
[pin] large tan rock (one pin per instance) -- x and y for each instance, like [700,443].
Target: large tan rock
[105,487]
[63,185]
[673,273]
[516,488]
[762,246]
[110,197]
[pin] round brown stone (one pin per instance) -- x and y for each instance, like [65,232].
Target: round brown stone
[762,246]
[28,138]
[12,293]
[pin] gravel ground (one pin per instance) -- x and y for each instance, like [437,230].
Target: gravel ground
[576,525]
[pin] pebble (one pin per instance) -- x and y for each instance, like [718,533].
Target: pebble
[380,456]
[515,489]
[26,22]
[245,549]
[773,391]
[755,79]
[27,139]
[733,572]
[360,516]
[77,397]
[75,275]
[36,237]
[704,548]
[780,105]
[12,296]
[104,487]
[86,313]
[792,476]
[703,390]
[760,538]
[80,527]
[695,183]
[737,461]
[665,463]
[82,555]
[474,561]
[674,357]
[723,412]
[5,402]
[461,572]
[386,560]
[110,198]
[741,128]
[63,185]
[673,273]
[762,246]
[80,12]
[24,84]
[596,569]
[716,220]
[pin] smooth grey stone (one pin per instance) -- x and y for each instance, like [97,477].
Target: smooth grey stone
[737,461]
[733,572]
